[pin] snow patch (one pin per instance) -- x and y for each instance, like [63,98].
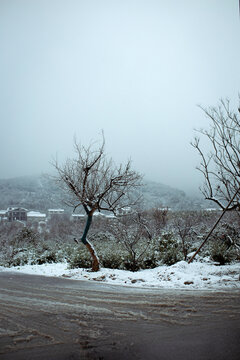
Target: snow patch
[197,275]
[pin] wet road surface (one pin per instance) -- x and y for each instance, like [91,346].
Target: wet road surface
[61,319]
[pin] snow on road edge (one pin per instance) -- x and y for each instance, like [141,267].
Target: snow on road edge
[199,275]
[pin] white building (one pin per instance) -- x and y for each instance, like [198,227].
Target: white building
[95,214]
[36,215]
[52,212]
[77,216]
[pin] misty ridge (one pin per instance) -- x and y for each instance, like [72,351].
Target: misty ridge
[41,193]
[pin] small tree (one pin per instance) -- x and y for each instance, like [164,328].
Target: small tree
[158,219]
[221,167]
[132,232]
[96,184]
[184,224]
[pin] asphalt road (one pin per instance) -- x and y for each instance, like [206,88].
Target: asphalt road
[60,319]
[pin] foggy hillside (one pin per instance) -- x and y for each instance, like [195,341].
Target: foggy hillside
[31,192]
[42,193]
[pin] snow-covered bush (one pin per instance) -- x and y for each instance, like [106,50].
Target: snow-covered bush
[40,253]
[221,253]
[224,246]
[79,258]
[151,259]
[26,236]
[12,257]
[113,260]
[169,249]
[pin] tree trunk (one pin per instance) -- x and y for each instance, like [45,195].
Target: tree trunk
[95,260]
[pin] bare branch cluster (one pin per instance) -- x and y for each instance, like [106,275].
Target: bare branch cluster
[221,167]
[184,225]
[94,182]
[131,231]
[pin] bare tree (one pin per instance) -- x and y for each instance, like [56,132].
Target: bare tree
[133,233]
[221,167]
[159,217]
[184,224]
[96,184]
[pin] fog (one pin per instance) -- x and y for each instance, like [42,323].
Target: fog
[132,68]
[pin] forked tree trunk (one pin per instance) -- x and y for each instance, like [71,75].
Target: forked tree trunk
[95,260]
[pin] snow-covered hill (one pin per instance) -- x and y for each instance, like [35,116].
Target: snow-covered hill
[41,193]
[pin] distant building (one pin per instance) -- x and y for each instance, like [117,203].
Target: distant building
[164,209]
[124,211]
[98,215]
[211,209]
[36,215]
[17,213]
[52,212]
[75,217]
[3,215]
[110,216]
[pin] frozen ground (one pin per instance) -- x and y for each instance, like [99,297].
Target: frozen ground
[201,274]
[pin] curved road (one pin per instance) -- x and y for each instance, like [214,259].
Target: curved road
[60,319]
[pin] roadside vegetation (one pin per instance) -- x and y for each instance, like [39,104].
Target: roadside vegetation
[144,240]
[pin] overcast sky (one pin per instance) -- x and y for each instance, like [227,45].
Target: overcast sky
[135,68]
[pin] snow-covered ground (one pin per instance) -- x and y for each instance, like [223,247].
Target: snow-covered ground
[201,274]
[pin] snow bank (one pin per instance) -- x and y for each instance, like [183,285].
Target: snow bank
[197,275]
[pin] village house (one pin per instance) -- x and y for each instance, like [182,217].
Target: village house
[17,213]
[53,212]
[21,214]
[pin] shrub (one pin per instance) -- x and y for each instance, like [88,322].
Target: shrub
[224,245]
[112,260]
[151,260]
[80,259]
[12,257]
[221,252]
[47,257]
[26,235]
[169,249]
[43,252]
[131,263]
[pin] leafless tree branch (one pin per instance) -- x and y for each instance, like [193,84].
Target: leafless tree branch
[221,167]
